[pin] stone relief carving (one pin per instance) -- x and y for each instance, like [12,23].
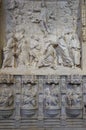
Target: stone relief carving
[52,99]
[8,51]
[6,100]
[42,20]
[43,97]
[44,45]
[56,46]
[21,50]
[34,51]
[73,100]
[29,99]
[49,57]
[6,79]
[74,47]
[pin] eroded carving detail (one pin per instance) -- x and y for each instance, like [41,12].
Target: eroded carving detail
[73,100]
[56,46]
[29,99]
[52,99]
[6,100]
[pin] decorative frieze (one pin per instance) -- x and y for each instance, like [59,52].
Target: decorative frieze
[43,98]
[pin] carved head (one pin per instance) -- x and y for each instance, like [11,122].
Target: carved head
[53,85]
[29,86]
[47,92]
[43,4]
[75,86]
[19,35]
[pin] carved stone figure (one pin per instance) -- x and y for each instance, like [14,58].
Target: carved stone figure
[29,97]
[49,58]
[24,54]
[21,49]
[52,97]
[74,47]
[8,52]
[6,97]
[34,52]
[44,18]
[12,4]
[73,98]
[63,53]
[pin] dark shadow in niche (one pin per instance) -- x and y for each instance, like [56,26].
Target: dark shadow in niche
[1,57]
[85,107]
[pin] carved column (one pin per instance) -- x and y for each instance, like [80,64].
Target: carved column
[41,97]
[83,33]
[84,100]
[63,88]
[18,84]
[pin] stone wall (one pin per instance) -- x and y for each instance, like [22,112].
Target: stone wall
[43,75]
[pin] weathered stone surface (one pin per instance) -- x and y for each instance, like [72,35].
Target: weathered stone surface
[43,75]
[43,35]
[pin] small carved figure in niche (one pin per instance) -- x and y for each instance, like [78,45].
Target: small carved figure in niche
[47,98]
[29,97]
[49,58]
[63,84]
[52,97]
[73,98]
[6,97]
[8,52]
